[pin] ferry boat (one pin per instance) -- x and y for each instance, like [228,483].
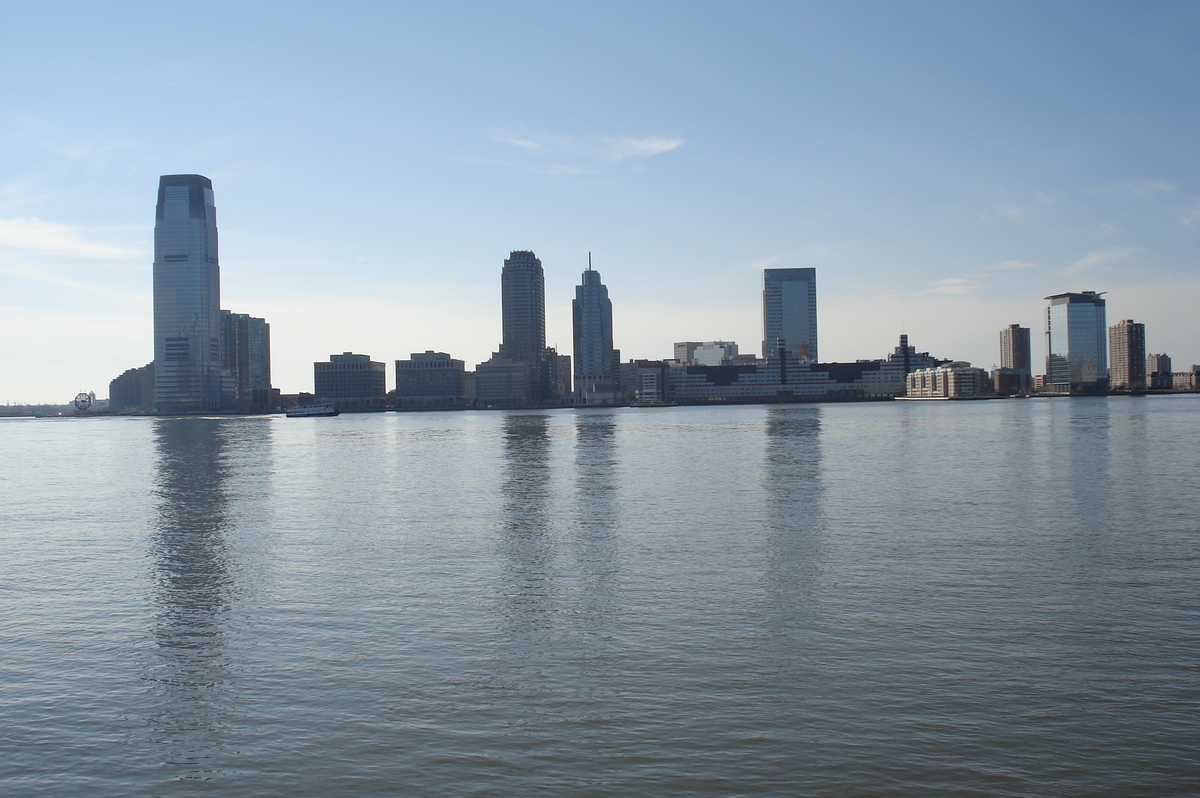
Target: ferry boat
[311,410]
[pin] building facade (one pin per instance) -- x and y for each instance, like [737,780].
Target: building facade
[187,299]
[1158,372]
[790,312]
[1015,350]
[1076,343]
[1127,355]
[133,390]
[246,354]
[952,381]
[430,381]
[350,382]
[591,315]
[518,375]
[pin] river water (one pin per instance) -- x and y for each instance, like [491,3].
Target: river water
[967,598]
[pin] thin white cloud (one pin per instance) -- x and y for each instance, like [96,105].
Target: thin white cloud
[1010,265]
[48,278]
[1013,211]
[575,155]
[1100,257]
[58,239]
[1138,189]
[626,147]
[763,263]
[951,286]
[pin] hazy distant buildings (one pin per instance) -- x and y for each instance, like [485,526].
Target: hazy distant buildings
[1127,354]
[187,299]
[133,390]
[1158,372]
[790,311]
[350,381]
[430,381]
[1076,343]
[706,353]
[591,315]
[246,354]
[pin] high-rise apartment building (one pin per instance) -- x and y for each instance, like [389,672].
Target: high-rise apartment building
[1076,343]
[1127,354]
[591,313]
[246,354]
[790,312]
[1015,352]
[187,299]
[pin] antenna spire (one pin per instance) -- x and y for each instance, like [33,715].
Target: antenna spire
[589,260]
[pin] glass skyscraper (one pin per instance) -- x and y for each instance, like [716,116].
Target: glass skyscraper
[591,312]
[1076,343]
[187,299]
[790,312]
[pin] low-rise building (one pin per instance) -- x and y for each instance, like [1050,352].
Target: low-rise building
[1158,372]
[133,390]
[351,382]
[430,381]
[951,381]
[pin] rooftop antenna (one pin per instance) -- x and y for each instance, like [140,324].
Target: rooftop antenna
[589,260]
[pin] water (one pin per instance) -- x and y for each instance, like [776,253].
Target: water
[976,598]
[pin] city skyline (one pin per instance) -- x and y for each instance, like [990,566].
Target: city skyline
[371,165]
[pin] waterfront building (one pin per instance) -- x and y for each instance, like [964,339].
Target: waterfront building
[1158,372]
[187,299]
[684,351]
[133,390]
[501,382]
[430,381]
[350,382]
[246,354]
[1076,343]
[951,381]
[559,377]
[1015,351]
[790,311]
[1187,380]
[1127,355]
[714,353]
[783,377]
[591,315]
[1011,381]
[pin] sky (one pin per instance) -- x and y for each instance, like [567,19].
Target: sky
[943,165]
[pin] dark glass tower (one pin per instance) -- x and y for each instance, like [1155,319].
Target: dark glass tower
[790,312]
[523,304]
[1076,343]
[187,298]
[591,313]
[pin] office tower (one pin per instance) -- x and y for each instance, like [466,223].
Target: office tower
[684,351]
[430,380]
[1015,349]
[523,304]
[591,313]
[246,354]
[350,381]
[1158,372]
[1127,354]
[187,299]
[519,374]
[715,353]
[1076,343]
[790,312]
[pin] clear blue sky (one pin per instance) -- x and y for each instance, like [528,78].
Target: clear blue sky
[944,166]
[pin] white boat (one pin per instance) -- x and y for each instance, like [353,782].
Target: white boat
[311,410]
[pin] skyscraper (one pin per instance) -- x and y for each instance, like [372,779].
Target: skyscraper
[246,354]
[1127,354]
[1076,343]
[790,312]
[591,311]
[1015,349]
[187,299]
[523,304]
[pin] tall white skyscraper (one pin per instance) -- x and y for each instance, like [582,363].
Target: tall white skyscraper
[187,299]
[790,312]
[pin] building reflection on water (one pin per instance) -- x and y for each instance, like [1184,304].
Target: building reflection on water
[192,591]
[597,510]
[526,545]
[795,495]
